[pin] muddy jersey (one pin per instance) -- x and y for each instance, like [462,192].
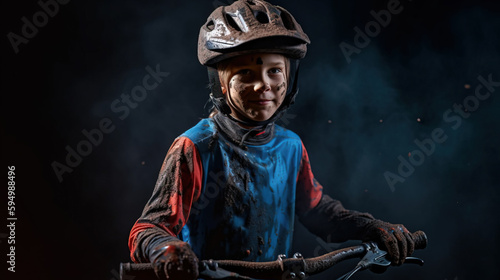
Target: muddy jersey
[230,200]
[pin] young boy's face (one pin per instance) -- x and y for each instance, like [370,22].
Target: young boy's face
[256,85]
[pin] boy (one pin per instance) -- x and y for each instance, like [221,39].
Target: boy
[229,187]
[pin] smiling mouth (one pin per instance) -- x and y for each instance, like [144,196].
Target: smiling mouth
[260,102]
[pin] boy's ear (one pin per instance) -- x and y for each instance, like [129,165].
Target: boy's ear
[224,90]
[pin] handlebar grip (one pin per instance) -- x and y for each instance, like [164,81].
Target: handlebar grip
[420,239]
[314,265]
[139,270]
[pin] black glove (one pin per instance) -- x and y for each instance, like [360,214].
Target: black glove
[174,260]
[396,239]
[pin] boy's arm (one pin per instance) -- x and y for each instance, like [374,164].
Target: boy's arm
[322,215]
[178,186]
[328,219]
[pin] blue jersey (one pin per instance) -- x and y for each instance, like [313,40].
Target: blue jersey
[230,200]
[246,207]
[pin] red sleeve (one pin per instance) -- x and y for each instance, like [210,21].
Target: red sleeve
[178,186]
[309,191]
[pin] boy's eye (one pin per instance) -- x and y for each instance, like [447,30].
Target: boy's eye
[275,70]
[244,72]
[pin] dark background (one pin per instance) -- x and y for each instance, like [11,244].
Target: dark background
[67,76]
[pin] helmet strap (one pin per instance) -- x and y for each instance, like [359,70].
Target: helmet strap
[216,95]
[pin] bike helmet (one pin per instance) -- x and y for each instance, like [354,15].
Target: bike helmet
[250,26]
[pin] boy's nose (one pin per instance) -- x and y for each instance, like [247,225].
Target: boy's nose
[261,85]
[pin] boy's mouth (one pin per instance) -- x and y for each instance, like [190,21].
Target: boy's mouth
[261,101]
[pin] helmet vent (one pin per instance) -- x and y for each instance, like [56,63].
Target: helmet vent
[287,20]
[261,17]
[210,25]
[232,23]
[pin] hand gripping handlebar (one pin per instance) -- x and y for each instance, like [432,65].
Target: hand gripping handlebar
[283,268]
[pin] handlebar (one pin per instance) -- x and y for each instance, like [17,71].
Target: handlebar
[282,268]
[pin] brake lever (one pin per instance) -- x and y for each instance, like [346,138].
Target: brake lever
[211,271]
[373,255]
[376,260]
[413,260]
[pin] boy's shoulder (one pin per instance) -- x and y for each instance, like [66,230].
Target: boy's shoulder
[202,131]
[205,129]
[282,132]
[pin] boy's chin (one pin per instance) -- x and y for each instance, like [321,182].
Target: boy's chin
[260,117]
